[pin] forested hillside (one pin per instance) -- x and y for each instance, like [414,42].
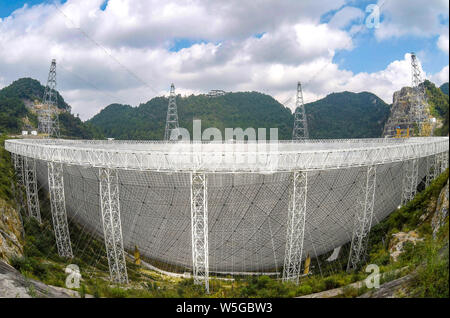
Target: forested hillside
[444,88]
[231,110]
[14,114]
[347,115]
[438,102]
[339,115]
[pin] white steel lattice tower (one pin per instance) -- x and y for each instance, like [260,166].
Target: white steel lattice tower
[58,209]
[417,113]
[172,115]
[363,220]
[410,176]
[432,169]
[199,228]
[31,188]
[295,227]
[48,118]
[300,130]
[18,168]
[112,227]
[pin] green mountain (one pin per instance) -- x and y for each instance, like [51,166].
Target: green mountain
[30,89]
[444,88]
[438,102]
[244,109]
[339,115]
[17,110]
[347,115]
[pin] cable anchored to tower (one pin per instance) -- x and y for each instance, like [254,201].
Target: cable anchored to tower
[300,130]
[172,116]
[48,117]
[418,114]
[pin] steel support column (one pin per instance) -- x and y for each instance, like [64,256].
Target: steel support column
[199,228]
[363,219]
[112,227]
[31,188]
[411,171]
[295,227]
[58,208]
[444,161]
[18,168]
[431,170]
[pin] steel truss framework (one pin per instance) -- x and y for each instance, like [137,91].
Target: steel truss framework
[289,156]
[48,118]
[418,113]
[172,115]
[18,168]
[58,209]
[432,169]
[443,161]
[300,130]
[411,171]
[363,220]
[295,227]
[31,188]
[199,229]
[112,227]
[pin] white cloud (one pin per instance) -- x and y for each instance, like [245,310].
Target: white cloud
[440,77]
[295,46]
[443,42]
[345,16]
[411,17]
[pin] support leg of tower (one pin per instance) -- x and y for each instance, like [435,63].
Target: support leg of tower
[295,227]
[411,171]
[112,227]
[444,161]
[31,188]
[58,208]
[431,170]
[18,168]
[199,228]
[363,219]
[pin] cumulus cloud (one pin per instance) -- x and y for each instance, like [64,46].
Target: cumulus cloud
[345,16]
[411,17]
[125,53]
[440,77]
[443,42]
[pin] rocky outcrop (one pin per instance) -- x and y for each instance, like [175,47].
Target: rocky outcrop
[401,109]
[11,229]
[393,289]
[441,212]
[15,285]
[398,241]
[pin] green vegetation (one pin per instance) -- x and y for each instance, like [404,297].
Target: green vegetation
[249,109]
[438,102]
[339,115]
[25,91]
[6,173]
[12,110]
[347,115]
[444,88]
[30,89]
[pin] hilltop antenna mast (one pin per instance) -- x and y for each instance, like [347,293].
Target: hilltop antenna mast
[300,131]
[172,115]
[48,119]
[418,109]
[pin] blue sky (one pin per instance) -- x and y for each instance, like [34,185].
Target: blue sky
[145,44]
